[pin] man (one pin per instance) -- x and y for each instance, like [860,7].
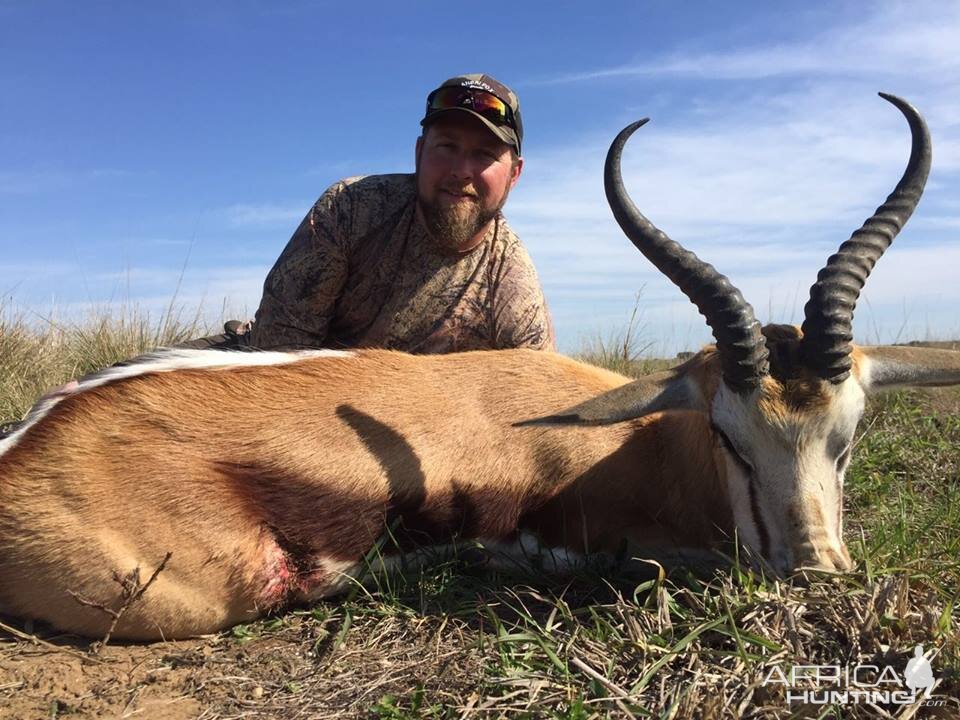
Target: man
[424,263]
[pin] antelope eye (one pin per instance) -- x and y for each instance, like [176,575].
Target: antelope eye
[839,449]
[729,447]
[844,457]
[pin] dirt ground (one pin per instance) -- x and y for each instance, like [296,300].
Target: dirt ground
[291,668]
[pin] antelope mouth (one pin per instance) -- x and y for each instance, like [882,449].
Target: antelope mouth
[821,559]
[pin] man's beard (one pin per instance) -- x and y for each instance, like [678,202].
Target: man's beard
[453,226]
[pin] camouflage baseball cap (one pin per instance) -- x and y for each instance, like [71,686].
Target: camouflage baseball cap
[469,93]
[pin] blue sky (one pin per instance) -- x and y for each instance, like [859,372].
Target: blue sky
[148,150]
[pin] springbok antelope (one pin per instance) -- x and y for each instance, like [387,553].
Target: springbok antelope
[269,476]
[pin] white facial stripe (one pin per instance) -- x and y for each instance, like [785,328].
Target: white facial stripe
[157,362]
[743,516]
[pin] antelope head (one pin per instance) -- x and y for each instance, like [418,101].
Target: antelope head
[783,402]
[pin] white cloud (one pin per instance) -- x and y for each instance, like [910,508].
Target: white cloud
[50,179]
[741,195]
[213,292]
[912,294]
[899,39]
[764,181]
[265,214]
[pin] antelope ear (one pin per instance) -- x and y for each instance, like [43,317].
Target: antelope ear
[889,366]
[653,393]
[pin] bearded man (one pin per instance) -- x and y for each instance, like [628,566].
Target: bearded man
[422,262]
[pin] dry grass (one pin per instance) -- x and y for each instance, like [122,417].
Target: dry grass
[40,353]
[626,351]
[452,642]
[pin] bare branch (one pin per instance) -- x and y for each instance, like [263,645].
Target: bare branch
[131,590]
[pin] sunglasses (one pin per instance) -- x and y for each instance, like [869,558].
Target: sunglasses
[481,102]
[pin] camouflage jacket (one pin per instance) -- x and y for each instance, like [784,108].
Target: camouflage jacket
[361,271]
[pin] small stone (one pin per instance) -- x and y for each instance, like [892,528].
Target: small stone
[257,692]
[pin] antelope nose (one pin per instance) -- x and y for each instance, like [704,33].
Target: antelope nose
[845,562]
[835,559]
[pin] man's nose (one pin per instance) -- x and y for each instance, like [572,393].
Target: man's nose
[461,166]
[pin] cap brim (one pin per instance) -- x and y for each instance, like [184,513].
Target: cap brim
[503,133]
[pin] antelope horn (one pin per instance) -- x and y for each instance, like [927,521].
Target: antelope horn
[743,352]
[827,327]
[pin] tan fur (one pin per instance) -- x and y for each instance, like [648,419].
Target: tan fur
[265,482]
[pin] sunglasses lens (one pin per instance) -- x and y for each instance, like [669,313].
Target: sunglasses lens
[490,106]
[483,103]
[450,97]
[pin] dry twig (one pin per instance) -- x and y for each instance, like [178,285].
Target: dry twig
[131,590]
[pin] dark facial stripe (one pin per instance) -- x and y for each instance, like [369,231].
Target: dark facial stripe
[758,519]
[747,469]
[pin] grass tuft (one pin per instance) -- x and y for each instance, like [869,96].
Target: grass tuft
[41,353]
[625,351]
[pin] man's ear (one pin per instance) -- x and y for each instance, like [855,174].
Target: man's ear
[417,150]
[517,169]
